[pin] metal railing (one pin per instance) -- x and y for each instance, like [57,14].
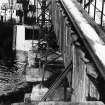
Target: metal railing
[95,8]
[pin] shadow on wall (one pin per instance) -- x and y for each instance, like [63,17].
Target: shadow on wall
[6,34]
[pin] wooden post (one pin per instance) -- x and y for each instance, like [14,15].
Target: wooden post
[84,88]
[78,76]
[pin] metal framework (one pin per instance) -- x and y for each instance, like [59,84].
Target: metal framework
[96,9]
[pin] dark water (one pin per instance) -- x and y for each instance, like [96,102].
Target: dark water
[12,78]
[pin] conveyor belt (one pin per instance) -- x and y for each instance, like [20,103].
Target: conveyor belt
[88,31]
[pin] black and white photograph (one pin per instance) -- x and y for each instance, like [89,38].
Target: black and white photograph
[52,52]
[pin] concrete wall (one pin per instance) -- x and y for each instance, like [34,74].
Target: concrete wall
[21,43]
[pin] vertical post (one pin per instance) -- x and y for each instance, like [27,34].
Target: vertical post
[37,11]
[5,13]
[9,3]
[34,12]
[25,4]
[95,9]
[1,18]
[89,8]
[43,71]
[43,11]
[78,75]
[84,3]
[65,91]
[34,2]
[11,8]
[33,37]
[102,12]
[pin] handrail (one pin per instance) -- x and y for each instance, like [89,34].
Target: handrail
[82,22]
[96,7]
